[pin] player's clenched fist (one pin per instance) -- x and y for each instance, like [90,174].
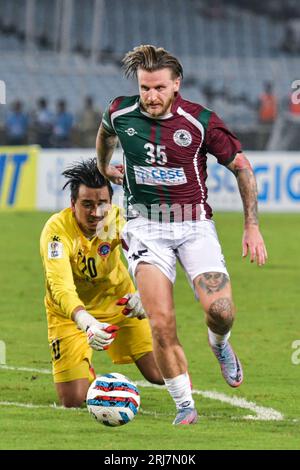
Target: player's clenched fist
[99,335]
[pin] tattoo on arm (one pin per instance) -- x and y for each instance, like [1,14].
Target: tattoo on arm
[243,172]
[105,145]
[213,282]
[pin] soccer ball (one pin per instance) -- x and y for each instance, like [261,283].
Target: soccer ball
[113,399]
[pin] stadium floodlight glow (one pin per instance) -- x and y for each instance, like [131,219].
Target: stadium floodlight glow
[296,94]
[2,92]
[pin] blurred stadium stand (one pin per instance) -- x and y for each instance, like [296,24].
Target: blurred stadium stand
[73,48]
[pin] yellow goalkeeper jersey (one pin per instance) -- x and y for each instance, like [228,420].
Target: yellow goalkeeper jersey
[79,271]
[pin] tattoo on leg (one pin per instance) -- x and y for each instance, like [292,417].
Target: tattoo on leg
[220,315]
[213,282]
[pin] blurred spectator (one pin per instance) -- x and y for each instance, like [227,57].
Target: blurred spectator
[212,9]
[63,122]
[291,40]
[16,125]
[88,123]
[267,115]
[268,106]
[43,124]
[209,93]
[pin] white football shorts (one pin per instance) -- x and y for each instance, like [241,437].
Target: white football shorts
[194,243]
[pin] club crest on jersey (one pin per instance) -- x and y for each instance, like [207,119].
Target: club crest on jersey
[182,137]
[131,131]
[104,249]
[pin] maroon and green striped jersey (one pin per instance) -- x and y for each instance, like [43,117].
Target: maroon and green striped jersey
[165,157]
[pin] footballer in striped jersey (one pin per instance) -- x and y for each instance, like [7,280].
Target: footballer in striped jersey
[165,140]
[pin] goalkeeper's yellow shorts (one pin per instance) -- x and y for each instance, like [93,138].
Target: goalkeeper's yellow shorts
[72,356]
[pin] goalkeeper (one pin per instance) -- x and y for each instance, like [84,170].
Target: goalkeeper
[90,300]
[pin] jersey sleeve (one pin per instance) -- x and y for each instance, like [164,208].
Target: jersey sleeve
[220,141]
[55,252]
[106,117]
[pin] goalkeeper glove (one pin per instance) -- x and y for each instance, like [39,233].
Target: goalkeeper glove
[99,335]
[133,307]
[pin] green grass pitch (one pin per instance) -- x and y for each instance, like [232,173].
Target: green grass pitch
[267,323]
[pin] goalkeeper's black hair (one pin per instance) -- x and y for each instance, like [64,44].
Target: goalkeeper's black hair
[87,173]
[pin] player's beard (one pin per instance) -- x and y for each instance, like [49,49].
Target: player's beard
[160,110]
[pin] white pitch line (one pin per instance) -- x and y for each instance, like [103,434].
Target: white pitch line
[54,406]
[26,369]
[31,405]
[262,413]
[59,407]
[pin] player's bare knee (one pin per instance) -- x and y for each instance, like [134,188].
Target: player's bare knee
[158,313]
[221,315]
[162,319]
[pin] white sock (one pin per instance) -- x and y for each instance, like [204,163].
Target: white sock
[218,340]
[180,390]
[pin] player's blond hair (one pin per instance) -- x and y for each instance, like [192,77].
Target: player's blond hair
[150,58]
